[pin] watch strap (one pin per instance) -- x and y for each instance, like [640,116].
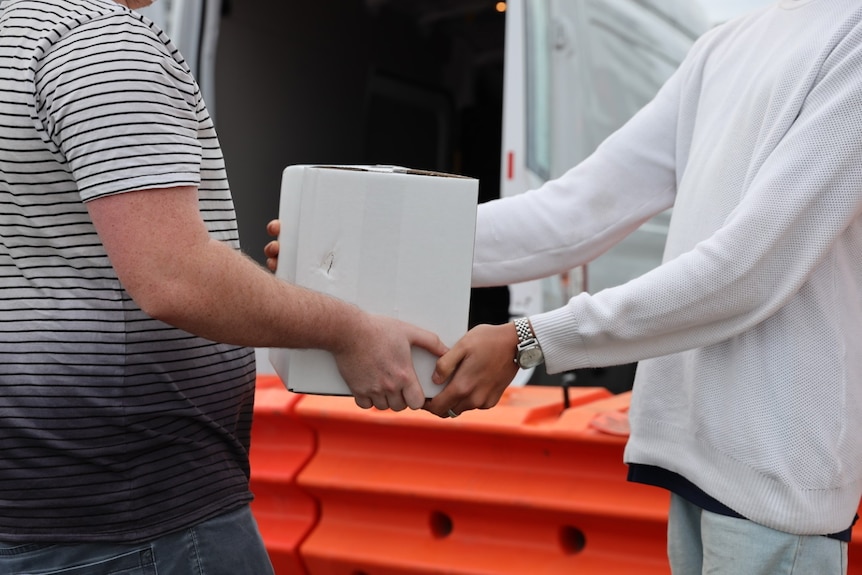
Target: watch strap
[525,331]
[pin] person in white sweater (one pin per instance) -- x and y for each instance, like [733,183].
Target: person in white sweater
[747,403]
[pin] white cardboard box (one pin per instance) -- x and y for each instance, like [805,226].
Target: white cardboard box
[393,241]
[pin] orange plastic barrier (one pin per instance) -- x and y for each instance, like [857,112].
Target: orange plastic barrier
[854,565]
[513,490]
[526,487]
[281,446]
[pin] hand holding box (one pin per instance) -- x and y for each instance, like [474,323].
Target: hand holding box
[393,241]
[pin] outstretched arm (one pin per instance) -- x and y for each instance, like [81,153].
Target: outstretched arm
[167,262]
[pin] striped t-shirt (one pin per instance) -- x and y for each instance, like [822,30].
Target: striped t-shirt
[113,426]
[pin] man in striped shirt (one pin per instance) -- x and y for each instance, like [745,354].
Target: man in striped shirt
[128,313]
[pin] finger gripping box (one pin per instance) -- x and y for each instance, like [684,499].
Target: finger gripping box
[394,241]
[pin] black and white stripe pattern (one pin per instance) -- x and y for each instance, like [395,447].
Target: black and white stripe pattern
[113,426]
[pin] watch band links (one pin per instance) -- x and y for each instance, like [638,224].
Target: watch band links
[525,332]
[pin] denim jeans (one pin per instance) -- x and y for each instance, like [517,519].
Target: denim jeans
[229,544]
[704,543]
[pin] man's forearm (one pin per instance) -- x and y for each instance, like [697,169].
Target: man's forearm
[172,268]
[223,295]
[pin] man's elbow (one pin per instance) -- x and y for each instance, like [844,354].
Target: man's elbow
[165,301]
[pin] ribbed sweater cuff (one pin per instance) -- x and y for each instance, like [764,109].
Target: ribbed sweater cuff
[558,337]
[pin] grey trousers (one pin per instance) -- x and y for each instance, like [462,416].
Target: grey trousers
[704,543]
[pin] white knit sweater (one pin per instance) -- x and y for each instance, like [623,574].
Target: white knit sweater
[754,320]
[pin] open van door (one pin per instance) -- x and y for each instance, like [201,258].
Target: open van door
[575,71]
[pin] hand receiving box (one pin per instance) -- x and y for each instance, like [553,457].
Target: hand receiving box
[393,241]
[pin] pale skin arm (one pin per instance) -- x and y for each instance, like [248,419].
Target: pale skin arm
[163,255]
[478,368]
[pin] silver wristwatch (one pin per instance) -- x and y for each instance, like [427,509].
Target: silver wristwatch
[529,353]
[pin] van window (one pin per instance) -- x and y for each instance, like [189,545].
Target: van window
[538,88]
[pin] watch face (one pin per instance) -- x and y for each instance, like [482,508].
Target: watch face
[530,357]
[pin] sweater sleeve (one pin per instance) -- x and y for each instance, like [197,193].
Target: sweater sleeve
[572,220]
[803,201]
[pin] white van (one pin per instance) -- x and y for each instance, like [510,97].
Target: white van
[510,92]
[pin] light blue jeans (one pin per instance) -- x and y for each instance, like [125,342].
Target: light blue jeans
[705,543]
[229,544]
